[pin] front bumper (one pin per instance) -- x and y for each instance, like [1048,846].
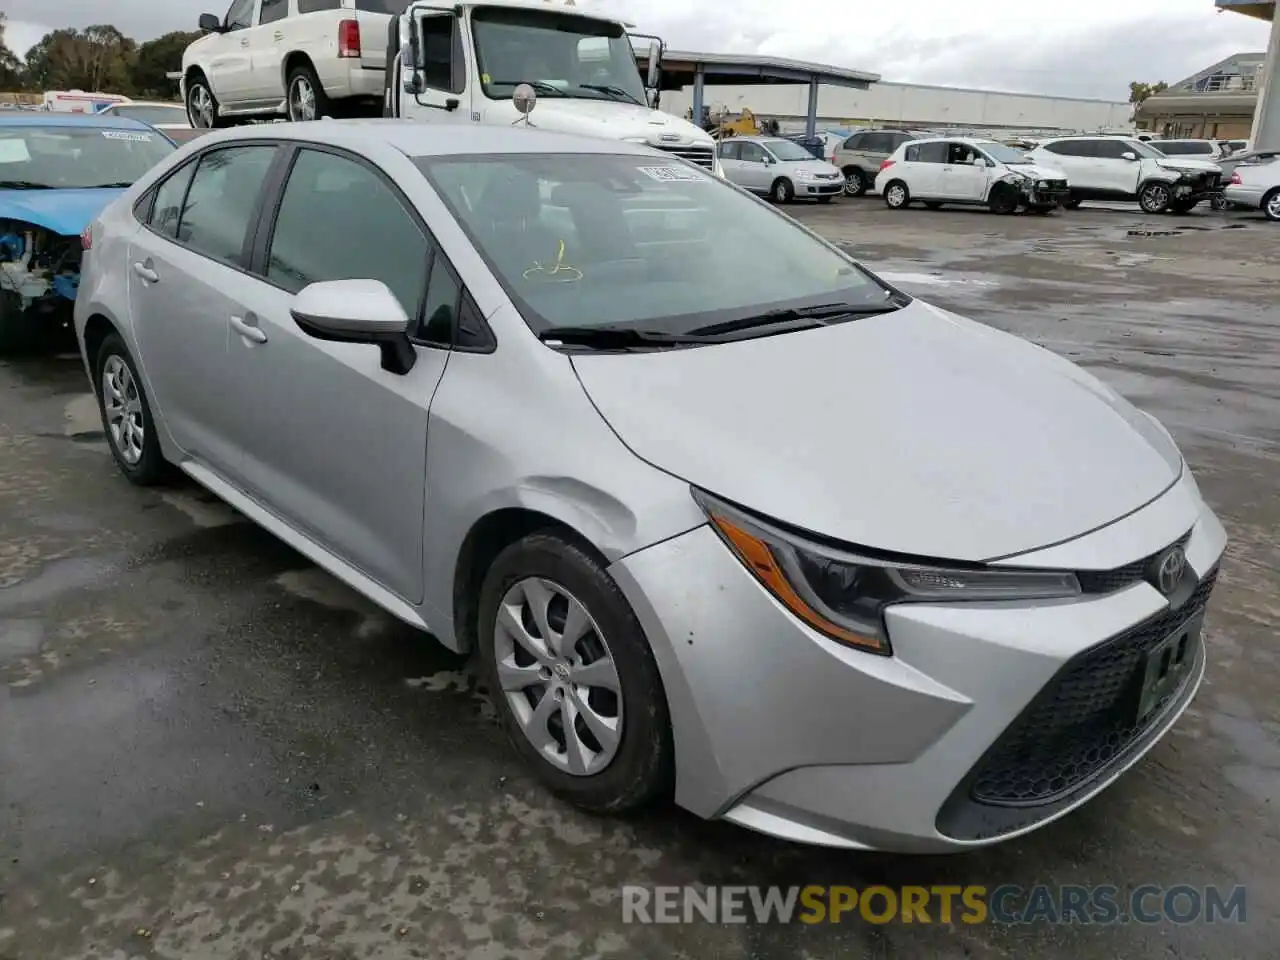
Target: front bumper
[1055,194]
[784,731]
[820,188]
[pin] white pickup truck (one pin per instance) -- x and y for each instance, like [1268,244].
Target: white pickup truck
[462,62]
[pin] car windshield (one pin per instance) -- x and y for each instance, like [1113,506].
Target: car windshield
[598,240]
[54,157]
[1001,153]
[787,150]
[151,113]
[1144,149]
[559,54]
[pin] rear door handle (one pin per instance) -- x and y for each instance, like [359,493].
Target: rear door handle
[145,272]
[247,329]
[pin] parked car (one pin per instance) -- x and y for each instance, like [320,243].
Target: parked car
[778,168]
[960,170]
[860,156]
[1214,150]
[1235,146]
[302,59]
[1122,168]
[1247,156]
[1257,186]
[57,171]
[673,579]
[171,118]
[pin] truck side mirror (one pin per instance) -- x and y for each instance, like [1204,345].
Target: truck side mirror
[209,23]
[412,80]
[654,79]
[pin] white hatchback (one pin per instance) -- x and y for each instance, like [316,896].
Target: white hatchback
[978,172]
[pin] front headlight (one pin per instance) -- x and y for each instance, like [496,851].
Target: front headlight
[803,175]
[843,594]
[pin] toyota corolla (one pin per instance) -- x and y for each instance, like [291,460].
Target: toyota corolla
[723,516]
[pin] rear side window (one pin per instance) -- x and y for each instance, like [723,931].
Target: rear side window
[167,210]
[877,143]
[854,142]
[366,232]
[1110,149]
[934,152]
[1072,148]
[222,201]
[382,6]
[730,150]
[315,6]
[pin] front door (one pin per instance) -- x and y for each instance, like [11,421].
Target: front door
[231,64]
[185,283]
[333,444]
[964,175]
[753,170]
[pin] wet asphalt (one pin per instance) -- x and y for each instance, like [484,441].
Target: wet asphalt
[211,749]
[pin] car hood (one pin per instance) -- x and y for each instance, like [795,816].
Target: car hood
[1188,163]
[815,167]
[1037,171]
[918,432]
[65,212]
[612,120]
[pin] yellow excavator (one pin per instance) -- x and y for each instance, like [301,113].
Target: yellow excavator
[722,124]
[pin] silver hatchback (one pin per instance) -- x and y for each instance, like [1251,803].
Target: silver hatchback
[722,515]
[780,169]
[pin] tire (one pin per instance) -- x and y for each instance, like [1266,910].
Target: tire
[896,195]
[932,205]
[782,191]
[116,378]
[1003,199]
[1072,203]
[855,182]
[203,113]
[1271,206]
[305,98]
[640,769]
[1155,196]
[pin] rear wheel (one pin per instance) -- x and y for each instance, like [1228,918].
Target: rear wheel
[896,195]
[306,99]
[1271,205]
[855,182]
[572,676]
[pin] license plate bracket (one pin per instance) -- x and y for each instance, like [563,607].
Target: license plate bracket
[1166,666]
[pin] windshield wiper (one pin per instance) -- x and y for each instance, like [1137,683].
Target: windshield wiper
[801,318]
[118,184]
[540,85]
[614,91]
[24,185]
[615,338]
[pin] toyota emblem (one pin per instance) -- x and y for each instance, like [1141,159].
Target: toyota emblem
[1169,568]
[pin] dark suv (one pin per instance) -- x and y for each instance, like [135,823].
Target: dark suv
[860,156]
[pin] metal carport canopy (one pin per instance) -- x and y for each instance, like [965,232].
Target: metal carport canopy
[680,68]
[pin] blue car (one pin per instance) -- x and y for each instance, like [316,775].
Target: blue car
[57,172]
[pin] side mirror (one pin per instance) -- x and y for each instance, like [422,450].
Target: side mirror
[654,79]
[1129,155]
[209,23]
[768,160]
[357,311]
[412,83]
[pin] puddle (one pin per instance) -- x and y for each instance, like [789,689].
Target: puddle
[58,577]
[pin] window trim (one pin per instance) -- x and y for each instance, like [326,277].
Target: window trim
[265,5]
[265,229]
[251,230]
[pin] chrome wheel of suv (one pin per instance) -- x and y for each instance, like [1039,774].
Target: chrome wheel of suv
[1155,197]
[855,182]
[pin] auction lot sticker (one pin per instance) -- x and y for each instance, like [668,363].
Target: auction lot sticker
[671,174]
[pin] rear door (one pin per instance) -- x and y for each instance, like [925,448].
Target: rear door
[1073,159]
[923,163]
[267,50]
[374,17]
[730,160]
[187,281]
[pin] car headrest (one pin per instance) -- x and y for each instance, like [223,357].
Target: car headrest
[509,196]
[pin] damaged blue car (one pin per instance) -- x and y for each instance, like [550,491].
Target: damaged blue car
[57,172]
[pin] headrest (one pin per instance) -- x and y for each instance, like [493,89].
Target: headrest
[511,195]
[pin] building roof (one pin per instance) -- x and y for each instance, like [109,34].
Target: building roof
[680,66]
[1262,9]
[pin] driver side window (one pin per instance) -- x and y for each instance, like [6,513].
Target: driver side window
[442,53]
[752,153]
[240,16]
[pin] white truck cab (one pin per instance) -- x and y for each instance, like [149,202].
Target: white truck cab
[462,62]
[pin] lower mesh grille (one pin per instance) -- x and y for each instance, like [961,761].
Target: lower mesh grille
[1084,718]
[702,156]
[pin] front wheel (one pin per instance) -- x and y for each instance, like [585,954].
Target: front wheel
[202,105]
[782,191]
[1003,199]
[306,99]
[572,676]
[896,195]
[126,415]
[855,182]
[1155,197]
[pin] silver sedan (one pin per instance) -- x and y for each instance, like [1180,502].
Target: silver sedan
[780,169]
[722,515]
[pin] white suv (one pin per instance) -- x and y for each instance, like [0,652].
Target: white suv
[303,59]
[1123,168]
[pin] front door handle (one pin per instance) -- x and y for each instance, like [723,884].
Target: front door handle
[244,43]
[145,271]
[278,35]
[248,330]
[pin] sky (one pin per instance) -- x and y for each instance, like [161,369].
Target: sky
[1078,48]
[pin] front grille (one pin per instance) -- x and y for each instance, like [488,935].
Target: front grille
[1083,719]
[1109,581]
[702,156]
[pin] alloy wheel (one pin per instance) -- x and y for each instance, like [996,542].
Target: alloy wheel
[122,410]
[1272,208]
[896,195]
[201,109]
[1155,197]
[853,185]
[558,676]
[302,100]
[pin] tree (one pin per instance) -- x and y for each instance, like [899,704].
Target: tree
[1139,91]
[95,58]
[10,64]
[158,57]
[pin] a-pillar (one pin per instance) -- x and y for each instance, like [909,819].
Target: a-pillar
[811,118]
[699,80]
[1266,117]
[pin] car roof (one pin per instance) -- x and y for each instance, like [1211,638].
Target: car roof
[146,103]
[416,139]
[1091,136]
[52,118]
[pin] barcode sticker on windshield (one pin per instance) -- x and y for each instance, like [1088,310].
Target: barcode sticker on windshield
[125,135]
[672,174]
